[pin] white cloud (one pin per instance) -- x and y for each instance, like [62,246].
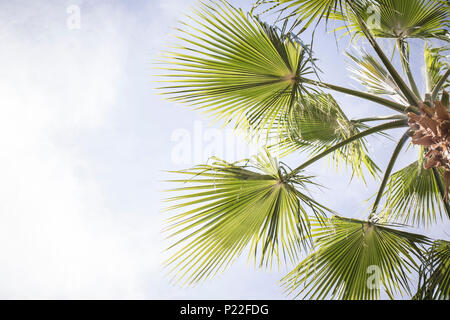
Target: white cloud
[58,237]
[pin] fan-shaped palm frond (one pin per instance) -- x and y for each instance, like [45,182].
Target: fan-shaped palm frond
[309,11]
[317,123]
[235,67]
[412,196]
[354,258]
[434,276]
[400,19]
[230,207]
[370,73]
[436,64]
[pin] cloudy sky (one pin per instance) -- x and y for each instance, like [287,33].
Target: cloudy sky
[85,140]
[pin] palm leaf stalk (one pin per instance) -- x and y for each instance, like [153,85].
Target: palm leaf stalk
[381,118]
[388,171]
[241,70]
[403,49]
[364,95]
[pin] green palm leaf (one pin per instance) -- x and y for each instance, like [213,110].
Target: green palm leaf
[235,68]
[434,280]
[401,19]
[412,196]
[436,64]
[348,252]
[309,11]
[317,123]
[370,73]
[229,207]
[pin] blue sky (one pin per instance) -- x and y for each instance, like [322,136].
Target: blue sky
[85,140]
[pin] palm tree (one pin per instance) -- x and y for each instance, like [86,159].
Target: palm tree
[263,78]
